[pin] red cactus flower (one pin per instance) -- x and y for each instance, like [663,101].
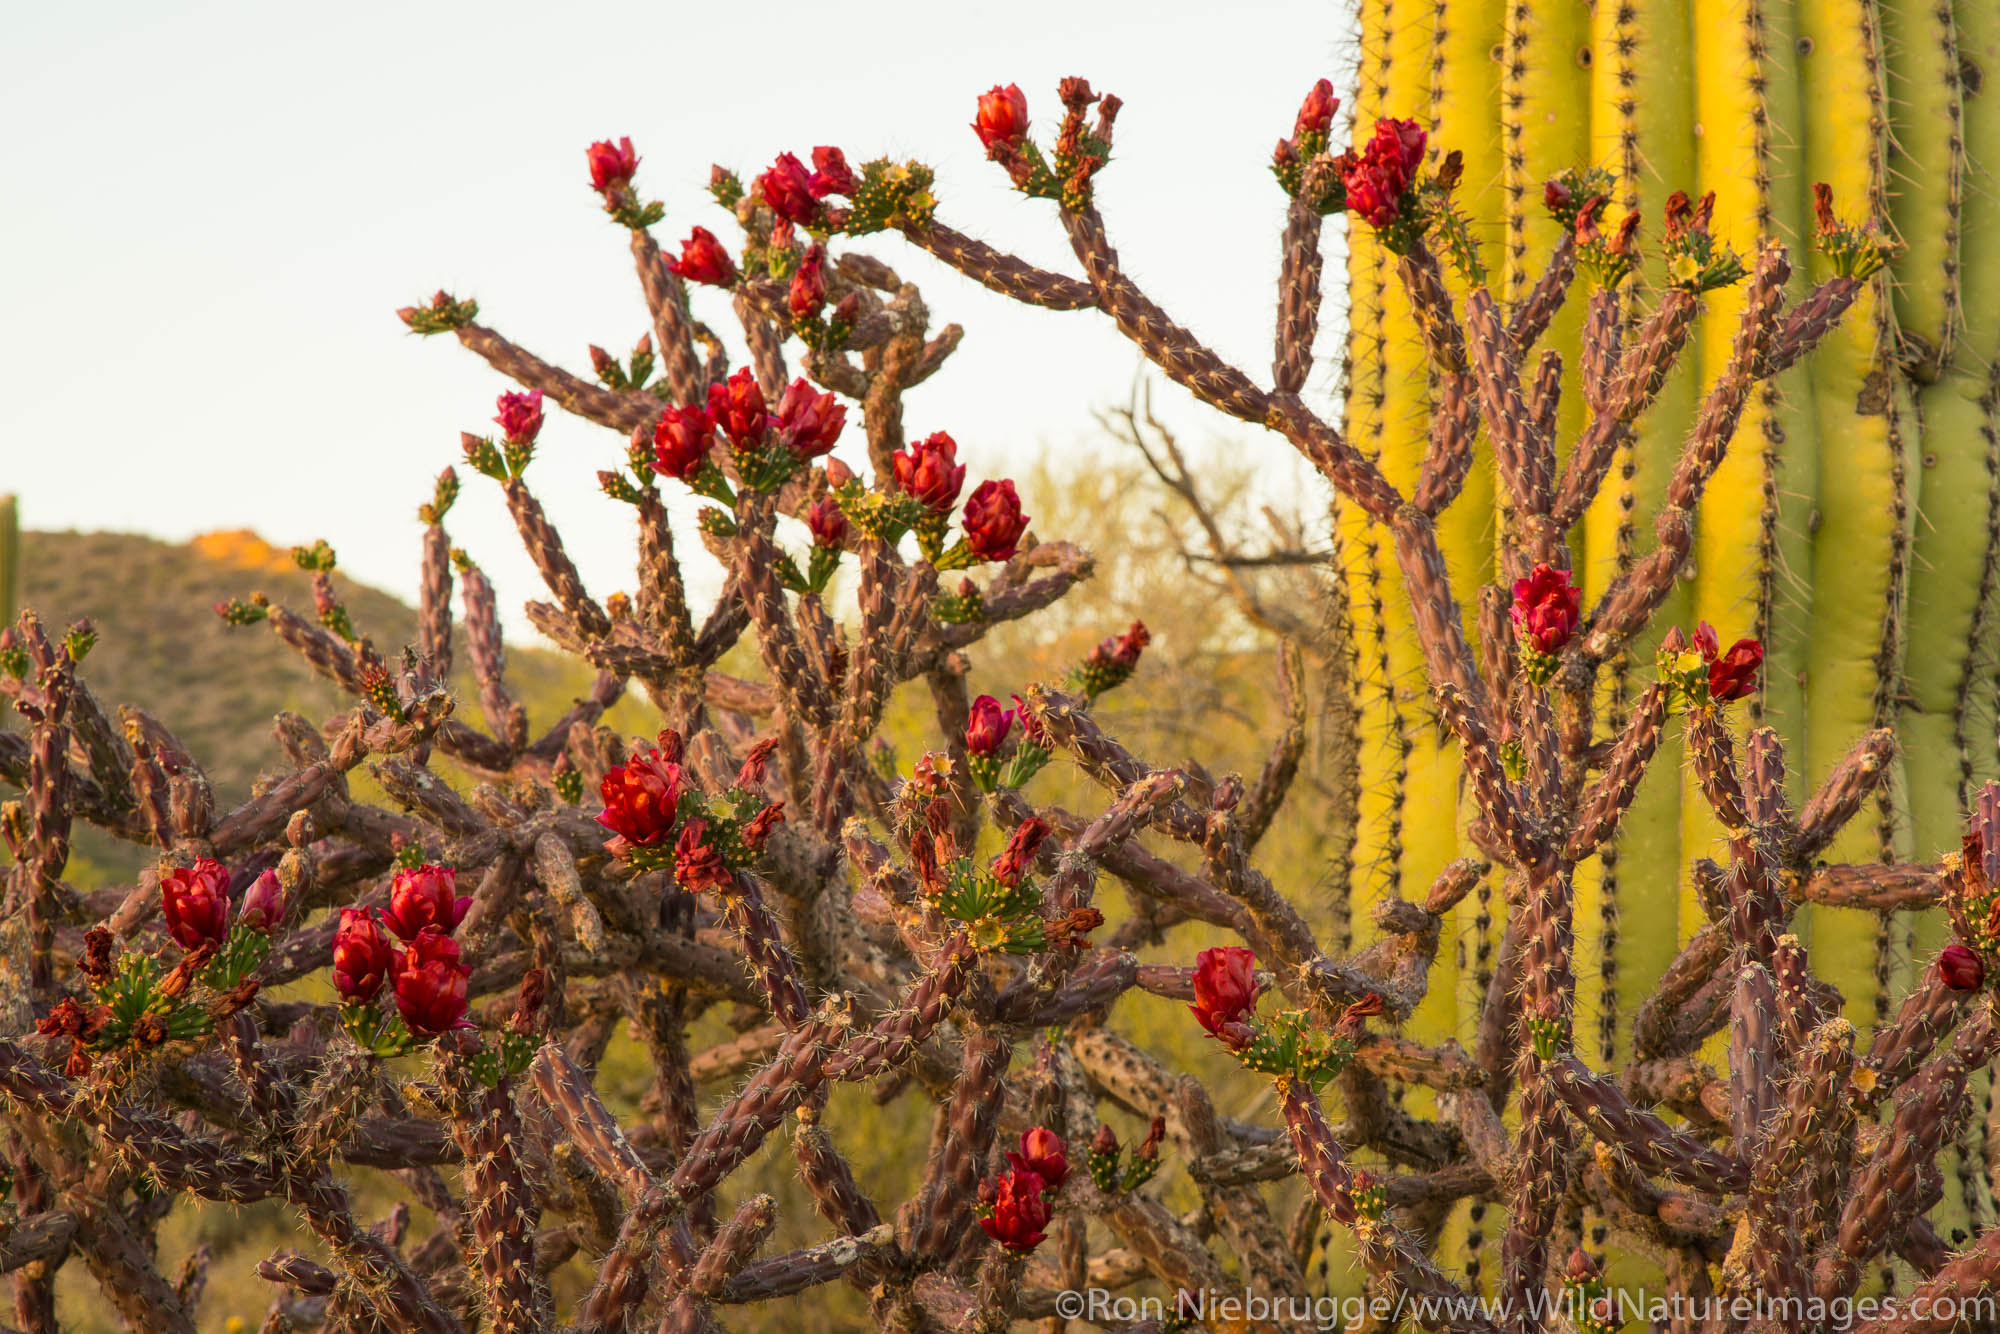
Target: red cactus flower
[430,985]
[697,865]
[1002,117]
[1546,607]
[520,417]
[681,439]
[1043,1153]
[828,524]
[1316,112]
[787,188]
[1122,651]
[611,165]
[1019,854]
[758,831]
[363,955]
[195,900]
[831,174]
[808,290]
[1019,1214]
[1960,969]
[988,726]
[641,797]
[993,521]
[809,422]
[929,471]
[1225,991]
[703,260]
[263,905]
[737,405]
[1377,178]
[424,898]
[1731,674]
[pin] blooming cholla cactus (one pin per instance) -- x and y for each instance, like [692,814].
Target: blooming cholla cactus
[760,856]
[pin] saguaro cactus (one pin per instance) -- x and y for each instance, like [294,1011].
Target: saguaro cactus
[1854,524]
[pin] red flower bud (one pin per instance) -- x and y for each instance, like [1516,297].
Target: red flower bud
[787,188]
[1546,607]
[703,260]
[755,760]
[808,290]
[929,471]
[1377,179]
[263,905]
[1019,854]
[1020,1214]
[737,405]
[1225,987]
[1105,1140]
[196,903]
[1316,112]
[993,521]
[988,726]
[1042,1152]
[430,985]
[424,898]
[1960,969]
[1002,117]
[641,797]
[363,954]
[611,165]
[1031,727]
[831,174]
[828,524]
[809,422]
[520,417]
[681,439]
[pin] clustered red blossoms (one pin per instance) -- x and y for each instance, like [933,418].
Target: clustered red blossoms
[648,799]
[520,417]
[428,979]
[1015,1210]
[195,901]
[1377,178]
[1545,613]
[704,260]
[1225,990]
[794,194]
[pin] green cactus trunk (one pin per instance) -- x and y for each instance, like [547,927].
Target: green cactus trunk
[1854,527]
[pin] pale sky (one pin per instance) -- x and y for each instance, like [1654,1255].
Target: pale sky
[214,210]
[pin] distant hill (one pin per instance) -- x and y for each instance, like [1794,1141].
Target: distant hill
[161,647]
